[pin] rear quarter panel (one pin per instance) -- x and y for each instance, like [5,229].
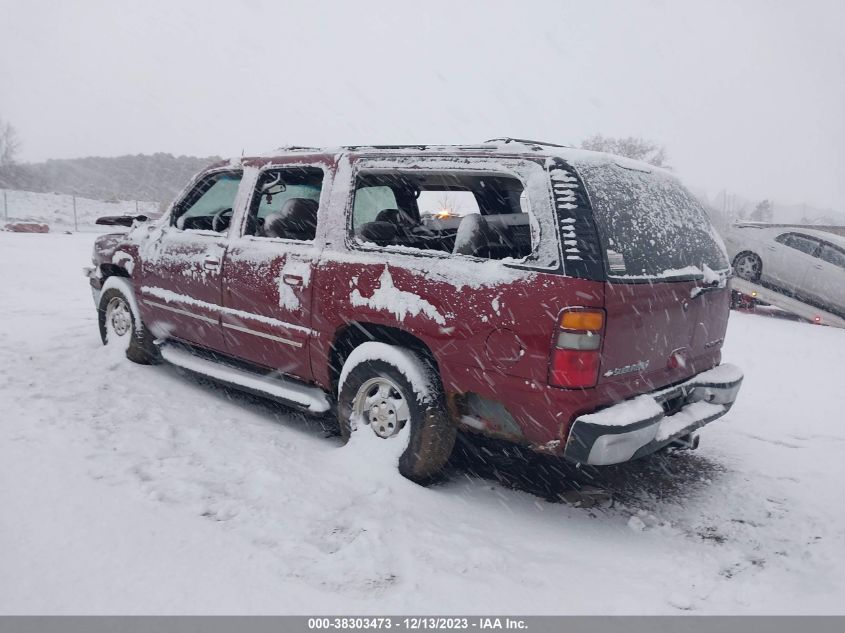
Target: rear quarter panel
[489,326]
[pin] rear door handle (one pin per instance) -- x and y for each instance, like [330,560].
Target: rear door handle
[210,262]
[818,266]
[292,280]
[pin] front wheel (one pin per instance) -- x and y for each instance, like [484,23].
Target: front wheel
[121,328]
[392,411]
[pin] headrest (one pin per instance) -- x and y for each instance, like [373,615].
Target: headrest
[473,235]
[381,233]
[297,219]
[396,216]
[388,215]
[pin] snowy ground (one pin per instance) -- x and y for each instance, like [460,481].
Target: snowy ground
[130,489]
[57,209]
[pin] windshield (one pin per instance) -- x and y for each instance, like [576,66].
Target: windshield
[650,226]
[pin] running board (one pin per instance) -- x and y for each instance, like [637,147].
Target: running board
[302,396]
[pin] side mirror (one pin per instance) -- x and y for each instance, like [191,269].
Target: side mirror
[120,220]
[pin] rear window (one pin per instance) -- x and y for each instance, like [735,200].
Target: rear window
[650,226]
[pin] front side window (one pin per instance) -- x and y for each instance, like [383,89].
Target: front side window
[483,215]
[285,204]
[832,255]
[208,206]
[803,243]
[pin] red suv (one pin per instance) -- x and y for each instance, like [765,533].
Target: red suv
[569,301]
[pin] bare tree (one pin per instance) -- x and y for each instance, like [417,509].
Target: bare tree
[9,144]
[630,147]
[448,204]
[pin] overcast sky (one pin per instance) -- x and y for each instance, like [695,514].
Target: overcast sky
[744,95]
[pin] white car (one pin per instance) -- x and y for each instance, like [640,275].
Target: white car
[804,263]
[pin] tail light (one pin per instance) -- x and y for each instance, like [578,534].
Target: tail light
[576,351]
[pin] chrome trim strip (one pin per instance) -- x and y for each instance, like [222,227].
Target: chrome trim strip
[262,335]
[240,314]
[224,311]
[182,312]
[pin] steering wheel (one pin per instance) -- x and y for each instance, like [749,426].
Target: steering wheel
[217,222]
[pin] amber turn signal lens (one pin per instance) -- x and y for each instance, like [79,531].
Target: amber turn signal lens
[582,320]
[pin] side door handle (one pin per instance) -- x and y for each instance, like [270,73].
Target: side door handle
[210,262]
[818,266]
[292,280]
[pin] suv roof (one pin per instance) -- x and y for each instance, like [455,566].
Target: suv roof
[495,147]
[486,145]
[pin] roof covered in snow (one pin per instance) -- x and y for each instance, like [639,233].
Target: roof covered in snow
[829,234]
[497,147]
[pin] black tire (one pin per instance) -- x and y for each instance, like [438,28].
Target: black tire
[751,266]
[140,346]
[432,433]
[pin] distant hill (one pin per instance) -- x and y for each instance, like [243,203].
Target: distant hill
[156,177]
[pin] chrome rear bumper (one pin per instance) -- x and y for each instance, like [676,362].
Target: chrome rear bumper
[647,423]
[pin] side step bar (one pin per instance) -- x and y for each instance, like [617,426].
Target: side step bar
[302,396]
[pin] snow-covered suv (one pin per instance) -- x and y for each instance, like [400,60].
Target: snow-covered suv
[570,301]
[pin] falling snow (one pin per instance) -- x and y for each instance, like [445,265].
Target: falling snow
[139,489]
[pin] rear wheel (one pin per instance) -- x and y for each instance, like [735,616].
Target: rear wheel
[392,411]
[121,328]
[748,266]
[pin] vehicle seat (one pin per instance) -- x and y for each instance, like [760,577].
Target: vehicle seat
[404,223]
[395,216]
[381,233]
[476,238]
[296,220]
[388,215]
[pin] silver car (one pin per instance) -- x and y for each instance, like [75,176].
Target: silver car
[805,263]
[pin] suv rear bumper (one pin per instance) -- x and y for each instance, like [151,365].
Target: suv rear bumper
[644,424]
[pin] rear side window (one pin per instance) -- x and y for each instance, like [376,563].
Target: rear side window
[482,215]
[649,225]
[803,243]
[833,255]
[284,204]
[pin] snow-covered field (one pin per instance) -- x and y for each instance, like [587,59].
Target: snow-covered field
[57,209]
[130,489]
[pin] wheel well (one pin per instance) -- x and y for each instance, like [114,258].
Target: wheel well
[113,270]
[354,334]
